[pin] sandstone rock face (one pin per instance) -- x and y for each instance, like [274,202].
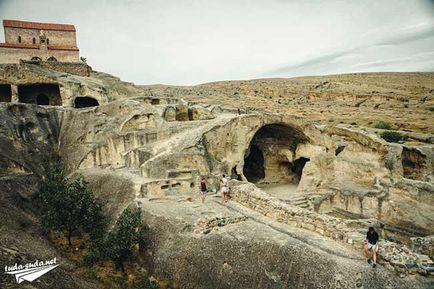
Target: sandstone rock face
[149,148]
[28,137]
[252,253]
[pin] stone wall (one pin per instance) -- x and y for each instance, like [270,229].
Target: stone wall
[398,256]
[14,55]
[55,37]
[76,68]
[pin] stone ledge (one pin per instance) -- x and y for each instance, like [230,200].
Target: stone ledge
[400,257]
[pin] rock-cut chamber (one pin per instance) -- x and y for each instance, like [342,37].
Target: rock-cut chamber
[40,93]
[271,159]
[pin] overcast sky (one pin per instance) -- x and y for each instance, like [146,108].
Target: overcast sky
[195,41]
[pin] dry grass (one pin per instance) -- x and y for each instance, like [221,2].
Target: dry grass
[402,99]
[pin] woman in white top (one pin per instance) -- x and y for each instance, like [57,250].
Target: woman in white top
[224,188]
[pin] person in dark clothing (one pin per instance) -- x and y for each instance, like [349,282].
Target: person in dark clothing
[203,189]
[371,245]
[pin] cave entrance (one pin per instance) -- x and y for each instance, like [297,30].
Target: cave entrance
[254,169]
[297,168]
[5,93]
[414,163]
[40,93]
[270,158]
[85,101]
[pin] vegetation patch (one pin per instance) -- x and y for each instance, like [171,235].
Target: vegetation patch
[76,224]
[382,125]
[392,136]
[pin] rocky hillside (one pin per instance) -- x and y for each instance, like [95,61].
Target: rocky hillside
[148,147]
[405,100]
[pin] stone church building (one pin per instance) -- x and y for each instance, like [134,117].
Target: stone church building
[38,41]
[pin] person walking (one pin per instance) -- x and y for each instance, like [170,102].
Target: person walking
[224,188]
[371,246]
[203,189]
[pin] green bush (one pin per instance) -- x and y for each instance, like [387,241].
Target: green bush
[124,236]
[69,206]
[382,125]
[392,136]
[118,245]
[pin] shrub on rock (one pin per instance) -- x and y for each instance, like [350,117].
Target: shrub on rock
[382,125]
[69,206]
[392,136]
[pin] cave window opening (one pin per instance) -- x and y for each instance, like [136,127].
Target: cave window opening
[42,99]
[155,101]
[339,149]
[85,101]
[5,93]
[40,93]
[190,114]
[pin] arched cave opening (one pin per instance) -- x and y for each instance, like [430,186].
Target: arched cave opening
[40,93]
[85,101]
[5,93]
[270,157]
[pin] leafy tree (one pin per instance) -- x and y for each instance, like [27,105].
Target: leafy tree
[69,206]
[126,234]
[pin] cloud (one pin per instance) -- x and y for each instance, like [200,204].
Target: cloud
[192,41]
[418,37]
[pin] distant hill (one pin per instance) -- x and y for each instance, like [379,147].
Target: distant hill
[404,99]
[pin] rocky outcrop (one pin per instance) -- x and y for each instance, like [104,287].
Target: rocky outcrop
[252,253]
[99,86]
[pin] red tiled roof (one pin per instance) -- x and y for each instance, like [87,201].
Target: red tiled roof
[36,46]
[21,45]
[62,47]
[39,26]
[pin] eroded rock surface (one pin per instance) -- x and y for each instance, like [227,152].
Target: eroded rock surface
[148,148]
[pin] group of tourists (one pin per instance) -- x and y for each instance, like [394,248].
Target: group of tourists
[224,188]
